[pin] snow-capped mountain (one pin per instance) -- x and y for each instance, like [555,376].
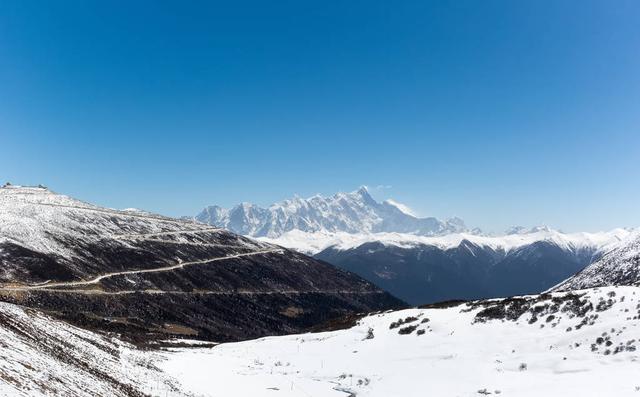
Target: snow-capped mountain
[524,230]
[619,266]
[143,274]
[355,212]
[423,269]
[418,259]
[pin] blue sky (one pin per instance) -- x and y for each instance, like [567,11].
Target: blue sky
[500,112]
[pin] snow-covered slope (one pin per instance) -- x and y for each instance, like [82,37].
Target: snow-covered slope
[619,266]
[40,356]
[355,212]
[312,243]
[563,344]
[39,219]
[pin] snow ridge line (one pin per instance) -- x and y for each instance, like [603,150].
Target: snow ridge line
[127,272]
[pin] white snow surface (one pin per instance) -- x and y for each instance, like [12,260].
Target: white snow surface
[455,356]
[312,243]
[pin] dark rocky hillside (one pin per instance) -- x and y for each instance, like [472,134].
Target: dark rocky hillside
[427,273]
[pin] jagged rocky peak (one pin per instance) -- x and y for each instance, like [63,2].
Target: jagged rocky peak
[355,212]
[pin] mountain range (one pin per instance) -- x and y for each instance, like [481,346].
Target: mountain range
[462,266]
[419,260]
[355,212]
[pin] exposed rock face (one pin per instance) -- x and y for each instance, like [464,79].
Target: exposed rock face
[142,274]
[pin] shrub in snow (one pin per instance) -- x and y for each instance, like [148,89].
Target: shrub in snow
[407,330]
[400,321]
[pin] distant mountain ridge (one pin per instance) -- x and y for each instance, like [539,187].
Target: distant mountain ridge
[313,243]
[463,266]
[423,260]
[355,212]
[420,269]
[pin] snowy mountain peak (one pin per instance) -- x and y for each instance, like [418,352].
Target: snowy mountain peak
[363,191]
[354,212]
[524,230]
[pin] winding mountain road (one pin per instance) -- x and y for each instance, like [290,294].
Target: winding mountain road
[63,284]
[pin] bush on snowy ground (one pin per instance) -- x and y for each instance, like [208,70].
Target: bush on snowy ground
[407,330]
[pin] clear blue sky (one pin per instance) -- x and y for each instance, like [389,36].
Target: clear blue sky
[500,112]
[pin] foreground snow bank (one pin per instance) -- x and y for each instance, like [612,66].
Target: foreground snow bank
[582,343]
